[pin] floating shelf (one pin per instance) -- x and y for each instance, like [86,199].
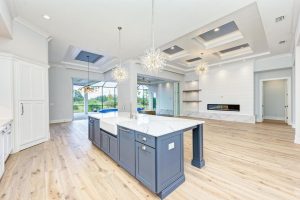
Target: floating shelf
[190,101]
[198,90]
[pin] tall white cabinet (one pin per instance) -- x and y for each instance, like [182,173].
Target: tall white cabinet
[29,103]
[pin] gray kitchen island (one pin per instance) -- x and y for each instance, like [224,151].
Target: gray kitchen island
[150,148]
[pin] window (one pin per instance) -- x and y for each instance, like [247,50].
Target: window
[143,96]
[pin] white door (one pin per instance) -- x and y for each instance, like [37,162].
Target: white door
[32,123]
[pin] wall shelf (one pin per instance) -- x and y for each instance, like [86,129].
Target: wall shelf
[196,90]
[191,101]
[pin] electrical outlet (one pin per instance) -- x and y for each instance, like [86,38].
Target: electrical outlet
[171,146]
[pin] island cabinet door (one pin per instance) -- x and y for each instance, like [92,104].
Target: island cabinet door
[169,159]
[126,143]
[91,129]
[113,147]
[97,136]
[105,142]
[145,165]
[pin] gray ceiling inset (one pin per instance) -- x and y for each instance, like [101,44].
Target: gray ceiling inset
[193,59]
[88,56]
[172,50]
[223,30]
[234,48]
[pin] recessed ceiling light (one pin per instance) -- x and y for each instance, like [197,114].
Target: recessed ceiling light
[172,47]
[216,29]
[47,17]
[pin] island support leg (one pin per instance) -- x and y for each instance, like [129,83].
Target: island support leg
[198,160]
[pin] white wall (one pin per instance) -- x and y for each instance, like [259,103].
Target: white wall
[61,91]
[227,84]
[297,90]
[26,44]
[165,98]
[274,99]
[274,62]
[5,20]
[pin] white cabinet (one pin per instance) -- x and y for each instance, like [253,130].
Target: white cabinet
[7,141]
[1,153]
[31,103]
[30,81]
[32,123]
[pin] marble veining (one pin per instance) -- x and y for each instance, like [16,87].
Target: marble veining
[149,124]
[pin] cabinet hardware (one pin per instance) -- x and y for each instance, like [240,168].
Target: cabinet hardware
[144,147]
[22,112]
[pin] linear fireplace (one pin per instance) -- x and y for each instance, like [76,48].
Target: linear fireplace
[224,107]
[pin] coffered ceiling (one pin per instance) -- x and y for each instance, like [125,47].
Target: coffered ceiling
[189,26]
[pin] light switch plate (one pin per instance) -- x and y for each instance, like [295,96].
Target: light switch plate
[171,146]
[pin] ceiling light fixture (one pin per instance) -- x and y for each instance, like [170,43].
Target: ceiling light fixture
[88,88]
[201,68]
[154,60]
[47,17]
[119,73]
[172,47]
[216,29]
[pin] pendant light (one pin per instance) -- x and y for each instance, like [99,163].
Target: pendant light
[88,88]
[119,73]
[154,60]
[201,68]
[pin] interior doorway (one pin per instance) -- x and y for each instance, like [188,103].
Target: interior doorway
[276,100]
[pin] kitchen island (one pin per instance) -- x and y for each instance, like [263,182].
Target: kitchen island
[149,147]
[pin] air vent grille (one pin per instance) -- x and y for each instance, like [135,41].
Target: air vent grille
[234,48]
[193,59]
[279,19]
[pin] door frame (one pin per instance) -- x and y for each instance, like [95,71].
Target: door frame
[289,99]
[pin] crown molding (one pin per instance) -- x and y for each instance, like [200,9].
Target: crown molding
[33,28]
[14,57]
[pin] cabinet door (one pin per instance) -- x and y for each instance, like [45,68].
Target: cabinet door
[113,147]
[91,129]
[126,143]
[1,154]
[97,136]
[105,142]
[31,81]
[145,165]
[32,123]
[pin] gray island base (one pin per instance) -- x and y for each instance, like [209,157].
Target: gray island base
[154,156]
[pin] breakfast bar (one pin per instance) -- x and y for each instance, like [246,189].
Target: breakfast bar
[150,148]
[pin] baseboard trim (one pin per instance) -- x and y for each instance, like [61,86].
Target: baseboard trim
[60,121]
[274,118]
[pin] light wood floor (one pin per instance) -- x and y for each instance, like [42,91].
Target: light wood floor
[243,161]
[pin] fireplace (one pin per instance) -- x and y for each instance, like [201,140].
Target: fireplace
[224,107]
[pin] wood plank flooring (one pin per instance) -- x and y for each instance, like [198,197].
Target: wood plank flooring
[243,161]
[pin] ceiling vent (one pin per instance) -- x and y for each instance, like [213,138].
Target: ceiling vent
[173,50]
[88,57]
[234,48]
[193,59]
[220,31]
[279,19]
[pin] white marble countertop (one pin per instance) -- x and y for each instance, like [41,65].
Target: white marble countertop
[149,124]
